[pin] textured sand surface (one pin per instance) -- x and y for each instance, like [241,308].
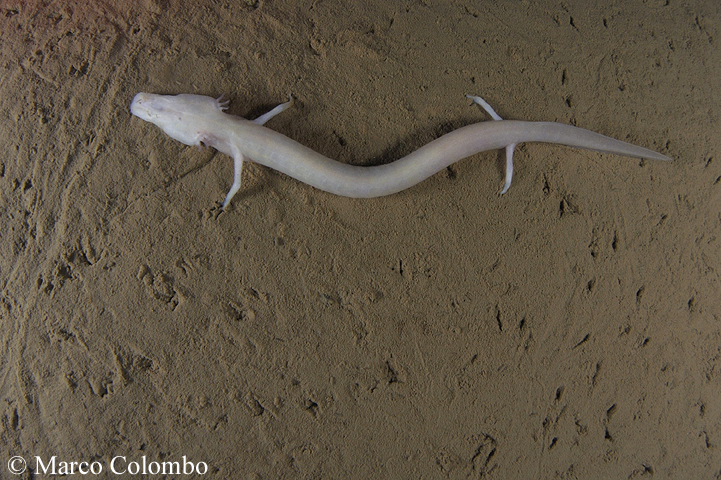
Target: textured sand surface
[569,329]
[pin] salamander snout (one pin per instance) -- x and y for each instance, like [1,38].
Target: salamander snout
[141,106]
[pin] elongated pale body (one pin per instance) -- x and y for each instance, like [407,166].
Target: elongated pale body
[197,119]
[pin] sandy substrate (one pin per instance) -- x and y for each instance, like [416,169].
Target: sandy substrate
[569,329]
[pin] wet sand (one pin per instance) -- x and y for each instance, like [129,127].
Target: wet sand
[567,329]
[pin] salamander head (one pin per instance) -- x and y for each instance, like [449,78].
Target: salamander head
[182,117]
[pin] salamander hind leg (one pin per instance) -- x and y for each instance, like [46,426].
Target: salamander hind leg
[509,167]
[280,108]
[509,148]
[485,107]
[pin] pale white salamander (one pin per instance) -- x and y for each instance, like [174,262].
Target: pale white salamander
[197,119]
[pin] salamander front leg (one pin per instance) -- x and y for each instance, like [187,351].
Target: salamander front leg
[238,171]
[509,148]
[280,108]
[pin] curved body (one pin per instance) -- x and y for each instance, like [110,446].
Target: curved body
[195,119]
